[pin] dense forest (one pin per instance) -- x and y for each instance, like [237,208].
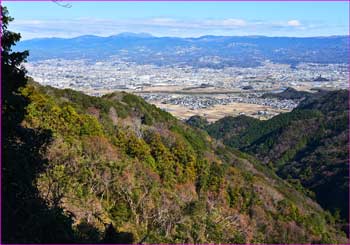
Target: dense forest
[115,169]
[307,147]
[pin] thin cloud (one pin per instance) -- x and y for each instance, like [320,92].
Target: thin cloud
[294,23]
[225,23]
[159,26]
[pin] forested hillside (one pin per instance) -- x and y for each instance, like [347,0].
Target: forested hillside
[119,164]
[115,169]
[308,145]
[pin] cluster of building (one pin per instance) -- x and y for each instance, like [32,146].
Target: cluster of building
[195,102]
[116,74]
[237,84]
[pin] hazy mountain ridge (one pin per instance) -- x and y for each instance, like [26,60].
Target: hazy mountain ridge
[206,51]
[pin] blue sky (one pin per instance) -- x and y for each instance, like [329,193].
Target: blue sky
[47,19]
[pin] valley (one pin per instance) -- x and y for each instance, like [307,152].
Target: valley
[186,90]
[138,139]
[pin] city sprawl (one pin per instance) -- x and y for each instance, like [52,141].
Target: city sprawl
[186,90]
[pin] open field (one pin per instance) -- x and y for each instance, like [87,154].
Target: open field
[219,111]
[212,113]
[173,89]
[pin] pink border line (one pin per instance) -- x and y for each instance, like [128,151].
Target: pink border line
[349,115]
[167,1]
[0,128]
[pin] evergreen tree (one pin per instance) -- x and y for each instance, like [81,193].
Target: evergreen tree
[12,74]
[26,218]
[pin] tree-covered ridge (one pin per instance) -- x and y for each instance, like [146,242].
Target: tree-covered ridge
[159,180]
[291,94]
[308,145]
[82,169]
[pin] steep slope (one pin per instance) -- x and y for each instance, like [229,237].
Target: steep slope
[309,144]
[121,163]
[81,169]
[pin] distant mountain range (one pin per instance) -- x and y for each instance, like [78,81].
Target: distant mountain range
[205,51]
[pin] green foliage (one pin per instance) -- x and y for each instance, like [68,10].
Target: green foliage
[195,138]
[120,213]
[157,182]
[233,196]
[44,113]
[229,126]
[216,176]
[202,168]
[197,121]
[118,160]
[26,217]
[308,144]
[82,102]
[149,113]
[288,211]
